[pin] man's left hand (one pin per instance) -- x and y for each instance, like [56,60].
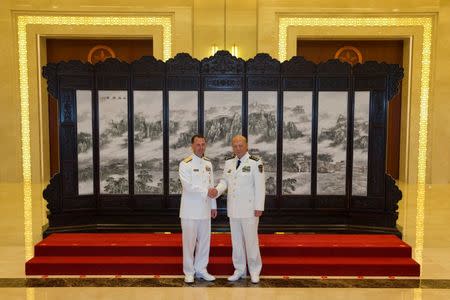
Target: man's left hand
[213,213]
[258,213]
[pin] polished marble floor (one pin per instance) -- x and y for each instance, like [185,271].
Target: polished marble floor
[424,216]
[222,293]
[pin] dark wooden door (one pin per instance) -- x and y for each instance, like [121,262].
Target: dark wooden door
[92,51]
[389,51]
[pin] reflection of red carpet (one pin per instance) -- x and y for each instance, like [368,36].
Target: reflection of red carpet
[288,254]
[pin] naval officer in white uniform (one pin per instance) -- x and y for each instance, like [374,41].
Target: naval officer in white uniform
[196,210]
[243,176]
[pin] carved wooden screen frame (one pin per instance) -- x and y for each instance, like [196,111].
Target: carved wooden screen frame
[376,212]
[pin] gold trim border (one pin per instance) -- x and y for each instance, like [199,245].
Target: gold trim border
[427,25]
[22,23]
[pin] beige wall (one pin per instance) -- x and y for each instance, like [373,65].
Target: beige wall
[197,25]
[440,101]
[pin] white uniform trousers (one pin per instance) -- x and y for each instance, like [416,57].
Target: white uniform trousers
[244,239]
[196,236]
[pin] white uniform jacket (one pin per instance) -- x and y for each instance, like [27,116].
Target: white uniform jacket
[196,175]
[246,186]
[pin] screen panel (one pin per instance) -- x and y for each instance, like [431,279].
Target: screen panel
[361,143]
[332,143]
[84,142]
[262,133]
[148,142]
[297,130]
[183,124]
[223,120]
[113,132]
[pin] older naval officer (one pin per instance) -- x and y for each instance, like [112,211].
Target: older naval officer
[196,210]
[243,175]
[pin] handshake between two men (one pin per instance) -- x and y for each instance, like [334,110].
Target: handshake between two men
[213,193]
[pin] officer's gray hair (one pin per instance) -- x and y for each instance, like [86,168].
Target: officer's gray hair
[239,137]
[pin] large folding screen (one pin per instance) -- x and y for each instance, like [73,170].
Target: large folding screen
[320,131]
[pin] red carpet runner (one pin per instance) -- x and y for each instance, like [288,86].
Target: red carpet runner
[282,255]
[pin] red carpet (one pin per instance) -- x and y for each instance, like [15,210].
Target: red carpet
[282,255]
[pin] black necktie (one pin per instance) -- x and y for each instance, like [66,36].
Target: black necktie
[238,164]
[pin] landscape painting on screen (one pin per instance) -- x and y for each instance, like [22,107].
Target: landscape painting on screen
[332,143]
[84,143]
[223,120]
[262,133]
[148,142]
[360,143]
[183,120]
[297,126]
[113,130]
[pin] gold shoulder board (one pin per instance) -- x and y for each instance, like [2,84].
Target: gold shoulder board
[187,159]
[254,158]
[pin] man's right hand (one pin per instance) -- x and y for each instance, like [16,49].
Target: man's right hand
[212,193]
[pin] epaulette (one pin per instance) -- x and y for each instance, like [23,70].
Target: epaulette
[255,158]
[230,157]
[205,158]
[187,159]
